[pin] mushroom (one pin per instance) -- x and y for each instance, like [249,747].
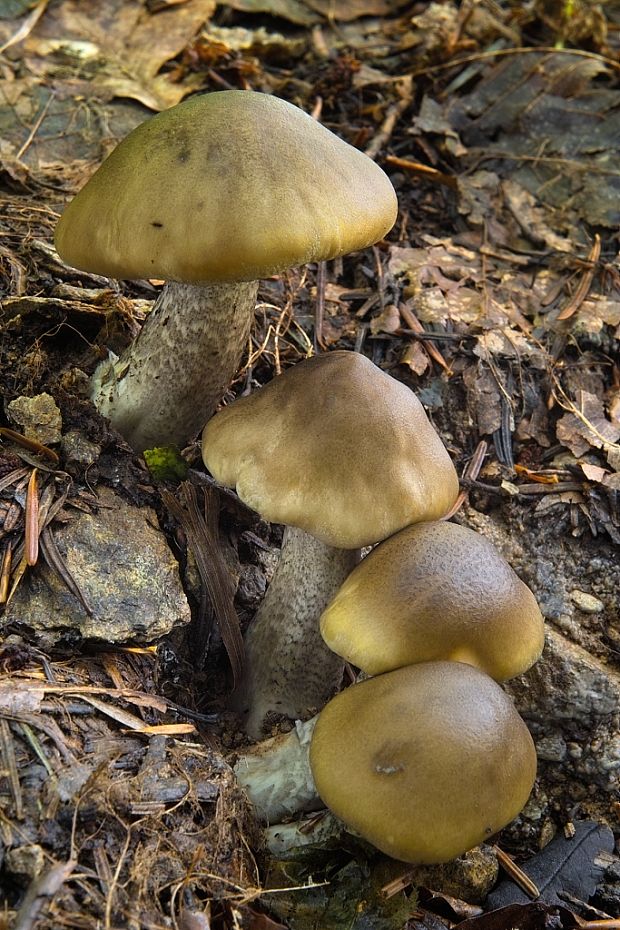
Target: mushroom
[212,195]
[343,455]
[424,762]
[435,591]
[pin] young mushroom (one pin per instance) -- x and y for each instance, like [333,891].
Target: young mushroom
[435,591]
[212,195]
[343,455]
[424,762]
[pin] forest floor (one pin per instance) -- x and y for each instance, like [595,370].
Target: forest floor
[496,298]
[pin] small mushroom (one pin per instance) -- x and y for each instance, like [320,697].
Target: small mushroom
[435,591]
[424,762]
[343,455]
[212,194]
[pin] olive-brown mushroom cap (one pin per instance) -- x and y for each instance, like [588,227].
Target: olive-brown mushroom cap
[435,591]
[335,447]
[424,762]
[228,186]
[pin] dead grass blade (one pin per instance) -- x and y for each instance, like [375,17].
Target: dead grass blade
[203,541]
[586,282]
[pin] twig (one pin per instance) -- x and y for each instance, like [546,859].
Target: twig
[585,284]
[319,309]
[525,50]
[32,520]
[471,472]
[26,27]
[41,890]
[518,876]
[424,171]
[5,573]
[394,113]
[27,443]
[37,125]
[7,753]
[413,323]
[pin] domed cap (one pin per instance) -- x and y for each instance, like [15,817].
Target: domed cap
[335,447]
[424,762]
[229,186]
[435,591]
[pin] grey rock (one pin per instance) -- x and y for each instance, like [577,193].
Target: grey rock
[25,861]
[551,748]
[123,567]
[78,450]
[571,698]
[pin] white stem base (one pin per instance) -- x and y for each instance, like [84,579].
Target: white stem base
[276,774]
[165,386]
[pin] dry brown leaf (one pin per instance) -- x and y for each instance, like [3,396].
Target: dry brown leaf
[588,427]
[612,481]
[314,11]
[388,321]
[593,472]
[533,218]
[18,701]
[613,457]
[416,358]
[130,44]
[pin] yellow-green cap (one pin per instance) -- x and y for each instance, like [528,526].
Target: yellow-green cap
[228,186]
[424,762]
[335,447]
[435,591]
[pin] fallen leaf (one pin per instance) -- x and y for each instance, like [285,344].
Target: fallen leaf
[388,321]
[483,398]
[593,472]
[130,44]
[587,427]
[416,358]
[565,866]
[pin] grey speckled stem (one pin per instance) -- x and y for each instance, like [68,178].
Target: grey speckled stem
[276,774]
[289,669]
[165,386]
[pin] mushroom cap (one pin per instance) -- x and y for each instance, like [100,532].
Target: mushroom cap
[424,762]
[228,186]
[335,447]
[435,591]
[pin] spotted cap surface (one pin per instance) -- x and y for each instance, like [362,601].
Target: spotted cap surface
[228,186]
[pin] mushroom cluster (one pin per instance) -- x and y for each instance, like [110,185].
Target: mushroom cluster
[344,456]
[430,757]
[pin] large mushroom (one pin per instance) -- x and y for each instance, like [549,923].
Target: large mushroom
[343,455]
[212,195]
[424,762]
[435,591]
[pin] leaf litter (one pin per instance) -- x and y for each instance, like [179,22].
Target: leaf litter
[497,295]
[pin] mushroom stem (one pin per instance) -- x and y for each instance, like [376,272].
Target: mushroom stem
[276,774]
[289,669]
[166,385]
